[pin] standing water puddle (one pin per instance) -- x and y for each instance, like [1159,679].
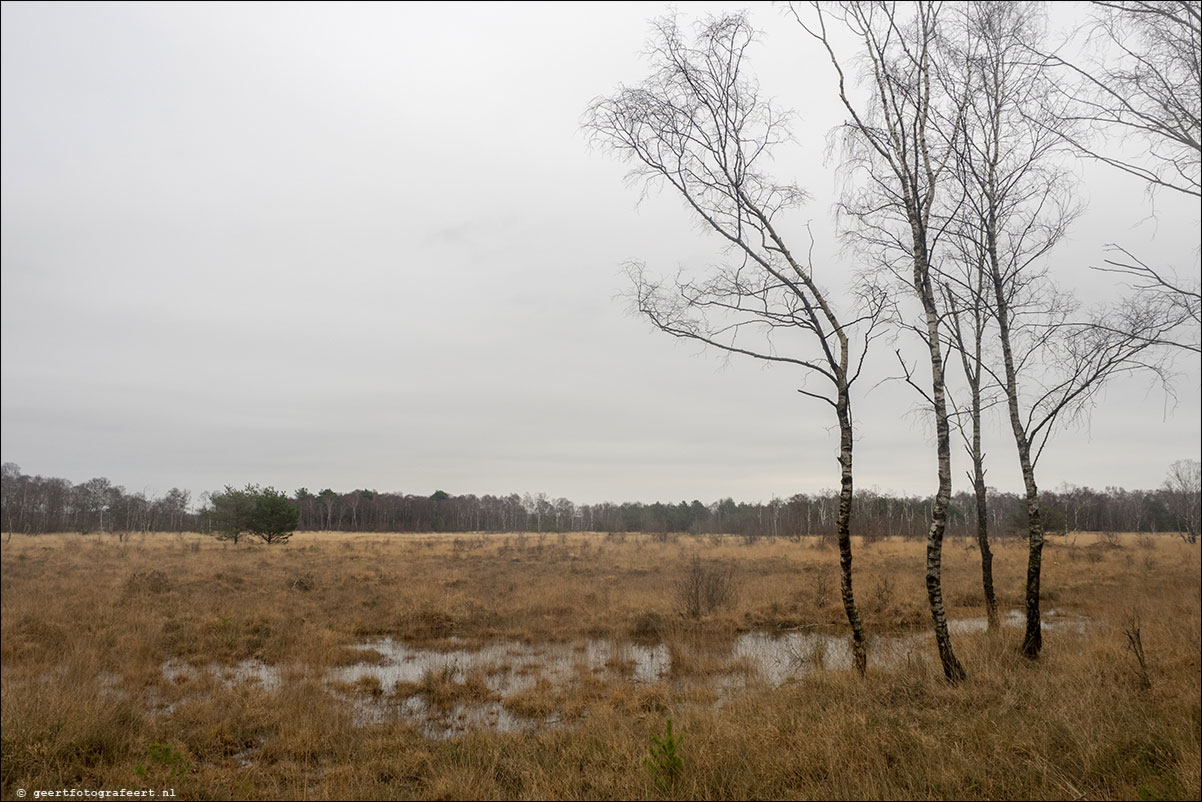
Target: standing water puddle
[509,666]
[511,685]
[448,691]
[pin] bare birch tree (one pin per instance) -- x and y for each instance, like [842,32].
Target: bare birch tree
[905,169]
[699,126]
[1016,204]
[1015,207]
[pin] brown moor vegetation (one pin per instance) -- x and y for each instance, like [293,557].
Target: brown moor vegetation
[89,621]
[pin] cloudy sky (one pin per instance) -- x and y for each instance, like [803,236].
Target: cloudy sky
[369,246]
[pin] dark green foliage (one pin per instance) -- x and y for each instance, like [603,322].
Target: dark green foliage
[1051,516]
[231,512]
[266,513]
[275,517]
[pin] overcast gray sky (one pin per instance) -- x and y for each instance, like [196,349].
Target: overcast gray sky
[368,246]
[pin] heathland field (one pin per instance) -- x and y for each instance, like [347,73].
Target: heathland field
[541,666]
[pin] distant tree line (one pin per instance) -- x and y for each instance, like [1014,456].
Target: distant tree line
[37,504]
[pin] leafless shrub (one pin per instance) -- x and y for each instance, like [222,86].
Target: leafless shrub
[822,591]
[1135,645]
[703,588]
[882,593]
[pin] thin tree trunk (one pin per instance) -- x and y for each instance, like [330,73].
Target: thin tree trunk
[859,651]
[952,669]
[1033,639]
[978,485]
[991,613]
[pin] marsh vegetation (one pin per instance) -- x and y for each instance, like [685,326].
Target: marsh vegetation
[500,666]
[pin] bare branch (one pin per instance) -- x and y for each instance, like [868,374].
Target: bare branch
[1143,84]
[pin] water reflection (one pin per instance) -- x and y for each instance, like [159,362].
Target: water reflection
[446,691]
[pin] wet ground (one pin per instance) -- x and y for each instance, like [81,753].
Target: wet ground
[446,691]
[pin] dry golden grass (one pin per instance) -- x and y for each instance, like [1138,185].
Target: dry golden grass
[89,621]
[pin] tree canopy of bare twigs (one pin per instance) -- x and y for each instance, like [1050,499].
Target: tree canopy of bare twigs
[700,126]
[1173,301]
[1138,96]
[1141,93]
